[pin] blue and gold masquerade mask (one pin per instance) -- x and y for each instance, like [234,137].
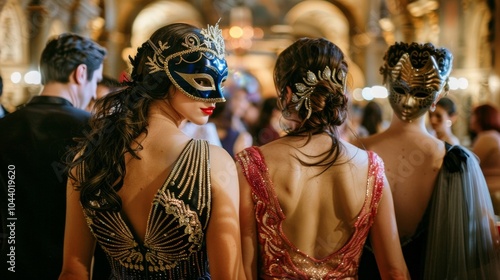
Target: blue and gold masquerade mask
[197,71]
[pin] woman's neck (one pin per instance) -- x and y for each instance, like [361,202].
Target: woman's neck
[415,125]
[161,111]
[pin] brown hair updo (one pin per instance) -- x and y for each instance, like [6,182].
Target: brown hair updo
[328,100]
[315,70]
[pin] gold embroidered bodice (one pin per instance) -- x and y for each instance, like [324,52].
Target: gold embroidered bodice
[174,244]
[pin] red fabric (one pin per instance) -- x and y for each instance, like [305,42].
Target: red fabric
[280,259]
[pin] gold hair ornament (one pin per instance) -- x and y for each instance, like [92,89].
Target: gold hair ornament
[213,42]
[302,96]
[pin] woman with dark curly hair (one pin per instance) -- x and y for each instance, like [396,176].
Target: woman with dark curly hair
[152,197]
[310,199]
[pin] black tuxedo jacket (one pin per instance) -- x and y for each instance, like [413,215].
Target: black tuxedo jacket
[33,142]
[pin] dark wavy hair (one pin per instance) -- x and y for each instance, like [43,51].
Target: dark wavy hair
[63,54]
[448,105]
[121,116]
[328,101]
[372,117]
[487,117]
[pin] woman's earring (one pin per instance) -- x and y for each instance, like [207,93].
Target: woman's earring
[448,123]
[433,107]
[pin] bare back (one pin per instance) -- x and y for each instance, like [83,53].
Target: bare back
[316,207]
[412,162]
[146,175]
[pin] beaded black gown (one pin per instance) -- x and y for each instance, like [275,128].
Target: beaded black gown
[174,246]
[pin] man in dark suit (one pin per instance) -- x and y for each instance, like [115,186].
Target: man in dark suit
[3,111]
[32,148]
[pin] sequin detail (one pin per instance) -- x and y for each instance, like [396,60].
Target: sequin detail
[280,259]
[174,243]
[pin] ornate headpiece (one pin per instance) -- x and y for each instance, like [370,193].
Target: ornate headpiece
[417,57]
[302,96]
[428,76]
[202,59]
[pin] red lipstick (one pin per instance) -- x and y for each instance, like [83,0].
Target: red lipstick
[208,110]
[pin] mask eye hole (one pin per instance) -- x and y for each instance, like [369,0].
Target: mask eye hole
[421,93]
[199,81]
[203,82]
[399,90]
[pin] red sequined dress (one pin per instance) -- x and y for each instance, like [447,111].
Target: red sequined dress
[279,258]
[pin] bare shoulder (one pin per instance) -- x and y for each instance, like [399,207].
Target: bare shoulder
[354,152]
[277,146]
[370,141]
[220,159]
[401,143]
[222,167]
[489,135]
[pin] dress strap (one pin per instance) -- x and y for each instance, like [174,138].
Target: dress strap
[255,170]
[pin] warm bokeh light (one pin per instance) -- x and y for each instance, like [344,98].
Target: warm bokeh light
[367,93]
[33,78]
[379,92]
[356,94]
[463,83]
[15,77]
[453,83]
[236,32]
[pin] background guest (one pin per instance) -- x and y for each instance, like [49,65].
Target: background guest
[442,120]
[33,143]
[267,127]
[485,123]
[105,86]
[233,132]
[372,118]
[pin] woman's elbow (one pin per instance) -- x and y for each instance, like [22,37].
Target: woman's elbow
[396,274]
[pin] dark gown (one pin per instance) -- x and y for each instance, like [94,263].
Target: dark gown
[174,245]
[455,239]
